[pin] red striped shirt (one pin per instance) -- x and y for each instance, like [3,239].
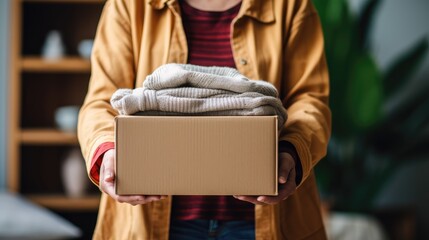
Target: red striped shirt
[208,35]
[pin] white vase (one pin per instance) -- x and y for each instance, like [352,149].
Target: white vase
[66,118]
[53,48]
[84,48]
[75,179]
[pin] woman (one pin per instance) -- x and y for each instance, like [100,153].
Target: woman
[279,41]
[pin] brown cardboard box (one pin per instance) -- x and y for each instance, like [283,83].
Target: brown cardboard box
[196,155]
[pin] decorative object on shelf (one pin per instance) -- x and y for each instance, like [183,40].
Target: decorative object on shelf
[53,48]
[85,48]
[75,179]
[66,118]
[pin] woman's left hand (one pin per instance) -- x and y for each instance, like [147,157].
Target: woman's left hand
[287,183]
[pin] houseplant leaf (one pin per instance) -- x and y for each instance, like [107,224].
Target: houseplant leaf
[364,93]
[365,21]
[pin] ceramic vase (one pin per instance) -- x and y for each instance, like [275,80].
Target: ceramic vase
[66,118]
[84,48]
[53,48]
[75,179]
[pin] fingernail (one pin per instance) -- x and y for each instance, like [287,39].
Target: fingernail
[108,175]
[282,179]
[260,199]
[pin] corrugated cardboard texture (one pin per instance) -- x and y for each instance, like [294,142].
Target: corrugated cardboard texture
[196,155]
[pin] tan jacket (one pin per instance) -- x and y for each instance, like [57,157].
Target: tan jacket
[279,41]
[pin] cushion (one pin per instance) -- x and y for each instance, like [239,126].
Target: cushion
[21,219]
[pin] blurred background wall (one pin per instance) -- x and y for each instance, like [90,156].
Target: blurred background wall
[397,26]
[4,47]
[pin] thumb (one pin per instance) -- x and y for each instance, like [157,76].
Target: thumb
[108,167]
[285,165]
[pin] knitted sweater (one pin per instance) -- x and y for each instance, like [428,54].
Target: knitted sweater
[185,89]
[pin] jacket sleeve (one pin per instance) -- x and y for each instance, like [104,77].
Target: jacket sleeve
[112,67]
[305,89]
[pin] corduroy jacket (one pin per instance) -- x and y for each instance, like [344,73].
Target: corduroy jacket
[279,41]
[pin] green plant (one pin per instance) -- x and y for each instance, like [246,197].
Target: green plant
[369,140]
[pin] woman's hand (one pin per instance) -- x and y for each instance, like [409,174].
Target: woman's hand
[107,183]
[287,183]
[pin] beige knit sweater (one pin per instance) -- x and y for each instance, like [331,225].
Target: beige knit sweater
[185,89]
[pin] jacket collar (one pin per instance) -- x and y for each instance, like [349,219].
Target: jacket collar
[158,4]
[261,10]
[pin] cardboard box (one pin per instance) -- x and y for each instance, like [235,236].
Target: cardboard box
[196,155]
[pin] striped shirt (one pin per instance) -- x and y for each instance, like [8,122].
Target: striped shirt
[208,35]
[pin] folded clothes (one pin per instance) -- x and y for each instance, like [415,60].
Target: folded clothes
[222,78]
[185,89]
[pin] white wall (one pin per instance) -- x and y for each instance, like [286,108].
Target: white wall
[4,37]
[397,26]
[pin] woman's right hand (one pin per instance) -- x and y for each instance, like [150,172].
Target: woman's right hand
[107,183]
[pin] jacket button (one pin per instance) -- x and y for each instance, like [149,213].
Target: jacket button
[243,61]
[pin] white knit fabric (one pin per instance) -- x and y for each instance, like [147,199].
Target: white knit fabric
[185,89]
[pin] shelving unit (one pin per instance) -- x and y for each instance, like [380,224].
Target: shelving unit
[65,65]
[47,137]
[38,87]
[60,202]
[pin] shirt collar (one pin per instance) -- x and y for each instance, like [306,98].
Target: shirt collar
[261,10]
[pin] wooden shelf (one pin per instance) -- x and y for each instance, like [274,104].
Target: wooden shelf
[47,137]
[67,65]
[36,148]
[64,203]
